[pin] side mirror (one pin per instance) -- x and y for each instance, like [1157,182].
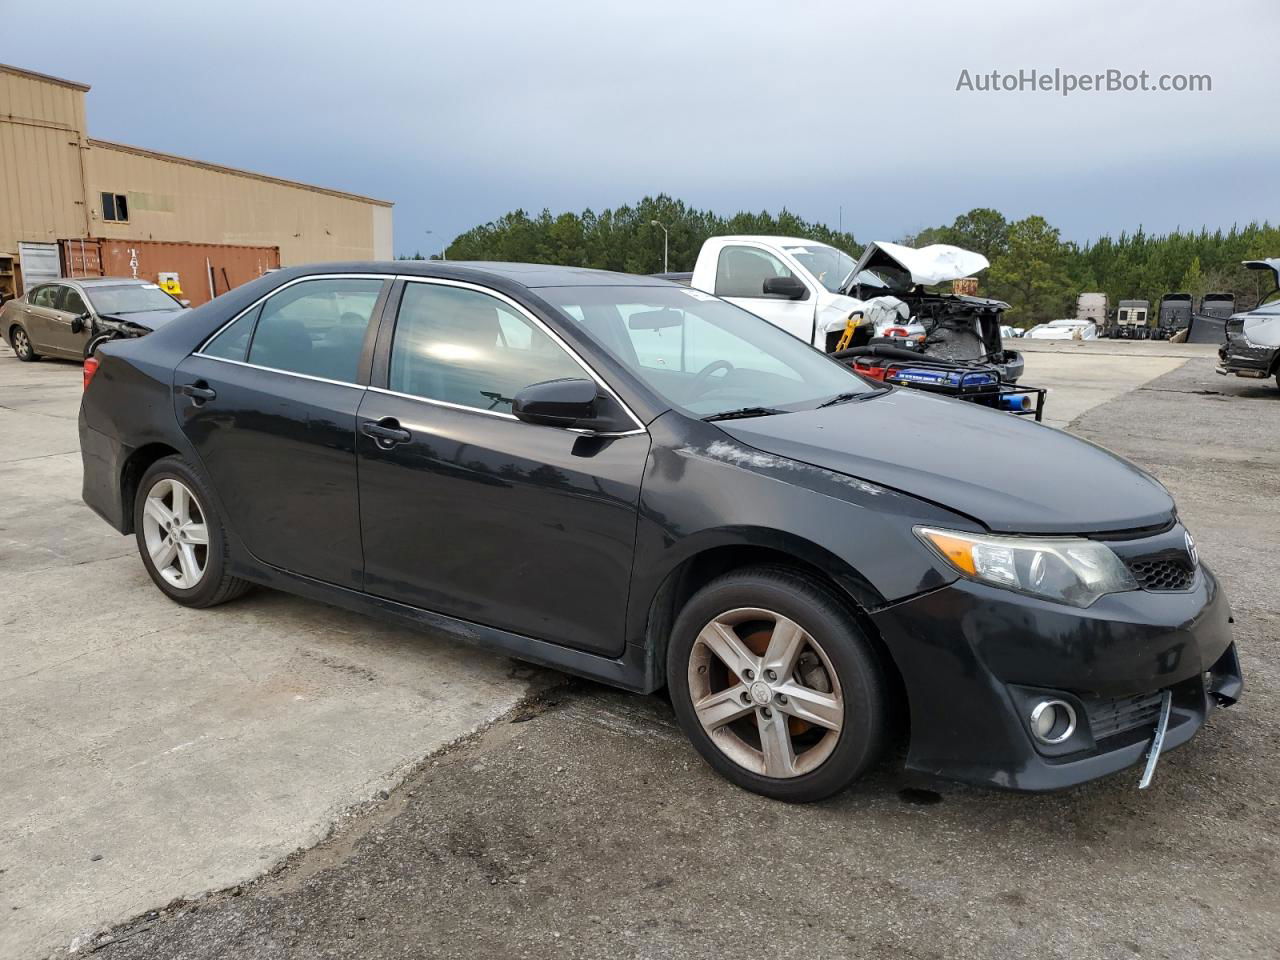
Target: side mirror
[78,323]
[556,403]
[787,287]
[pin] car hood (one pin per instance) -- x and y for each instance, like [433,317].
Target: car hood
[151,319]
[1010,474]
[926,266]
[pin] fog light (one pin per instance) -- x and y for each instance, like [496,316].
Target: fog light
[1053,721]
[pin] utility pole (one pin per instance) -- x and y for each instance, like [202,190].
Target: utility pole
[666,238]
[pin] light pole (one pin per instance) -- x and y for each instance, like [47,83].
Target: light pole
[443,250]
[666,237]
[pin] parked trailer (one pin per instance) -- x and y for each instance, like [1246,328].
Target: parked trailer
[1133,320]
[1209,325]
[1094,308]
[1175,315]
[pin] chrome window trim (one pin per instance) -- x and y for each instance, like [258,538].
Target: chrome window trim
[198,352]
[287,373]
[501,415]
[443,403]
[555,338]
[440,281]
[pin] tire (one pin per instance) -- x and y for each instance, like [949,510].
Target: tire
[175,578]
[832,652]
[21,343]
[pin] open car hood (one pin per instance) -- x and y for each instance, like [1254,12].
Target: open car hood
[902,268]
[1272,264]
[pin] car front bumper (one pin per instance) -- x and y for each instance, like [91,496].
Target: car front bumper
[974,660]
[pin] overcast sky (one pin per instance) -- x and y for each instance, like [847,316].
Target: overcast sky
[459,112]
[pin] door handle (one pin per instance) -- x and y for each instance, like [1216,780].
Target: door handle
[199,392]
[387,432]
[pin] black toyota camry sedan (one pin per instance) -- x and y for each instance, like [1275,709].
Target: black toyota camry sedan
[637,482]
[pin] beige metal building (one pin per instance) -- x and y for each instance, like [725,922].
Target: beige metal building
[71,205]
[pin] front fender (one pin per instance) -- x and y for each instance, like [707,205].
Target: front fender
[702,490]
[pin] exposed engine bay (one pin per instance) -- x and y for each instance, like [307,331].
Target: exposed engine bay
[891,280]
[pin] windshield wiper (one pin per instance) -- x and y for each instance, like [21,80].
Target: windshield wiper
[743,412]
[855,395]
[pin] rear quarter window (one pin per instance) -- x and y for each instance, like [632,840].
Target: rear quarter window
[233,342]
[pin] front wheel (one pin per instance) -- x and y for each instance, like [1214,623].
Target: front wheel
[22,345]
[776,686]
[181,538]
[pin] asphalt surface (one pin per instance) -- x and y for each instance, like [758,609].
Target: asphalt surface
[585,826]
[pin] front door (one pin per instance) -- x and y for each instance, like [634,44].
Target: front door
[741,271]
[475,514]
[68,325]
[270,406]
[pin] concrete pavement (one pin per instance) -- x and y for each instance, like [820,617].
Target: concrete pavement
[1082,374]
[152,752]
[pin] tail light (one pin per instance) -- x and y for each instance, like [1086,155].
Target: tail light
[90,368]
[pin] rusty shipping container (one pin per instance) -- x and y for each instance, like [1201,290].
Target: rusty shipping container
[204,270]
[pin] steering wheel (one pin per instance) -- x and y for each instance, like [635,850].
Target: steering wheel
[702,380]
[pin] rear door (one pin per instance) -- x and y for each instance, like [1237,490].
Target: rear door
[474,513]
[39,315]
[742,269]
[269,403]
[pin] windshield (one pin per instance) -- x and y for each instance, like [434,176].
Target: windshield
[130,298]
[702,355]
[829,266]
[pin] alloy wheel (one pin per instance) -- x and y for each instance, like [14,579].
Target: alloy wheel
[21,343]
[765,692]
[175,533]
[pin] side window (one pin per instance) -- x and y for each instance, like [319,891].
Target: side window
[316,327]
[233,342]
[44,296]
[72,302]
[742,271]
[465,347]
[115,207]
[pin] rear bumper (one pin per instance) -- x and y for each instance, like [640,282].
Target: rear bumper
[1013,366]
[976,658]
[103,460]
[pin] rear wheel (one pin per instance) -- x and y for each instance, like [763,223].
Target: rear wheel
[180,537]
[22,345]
[776,686]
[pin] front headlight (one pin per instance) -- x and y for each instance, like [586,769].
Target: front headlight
[1067,569]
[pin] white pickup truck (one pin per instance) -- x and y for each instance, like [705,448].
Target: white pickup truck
[812,290]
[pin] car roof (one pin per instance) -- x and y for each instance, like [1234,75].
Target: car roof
[774,240]
[104,281]
[530,275]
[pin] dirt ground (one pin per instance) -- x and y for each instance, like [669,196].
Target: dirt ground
[583,825]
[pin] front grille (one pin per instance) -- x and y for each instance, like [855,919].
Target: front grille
[1109,717]
[1167,573]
